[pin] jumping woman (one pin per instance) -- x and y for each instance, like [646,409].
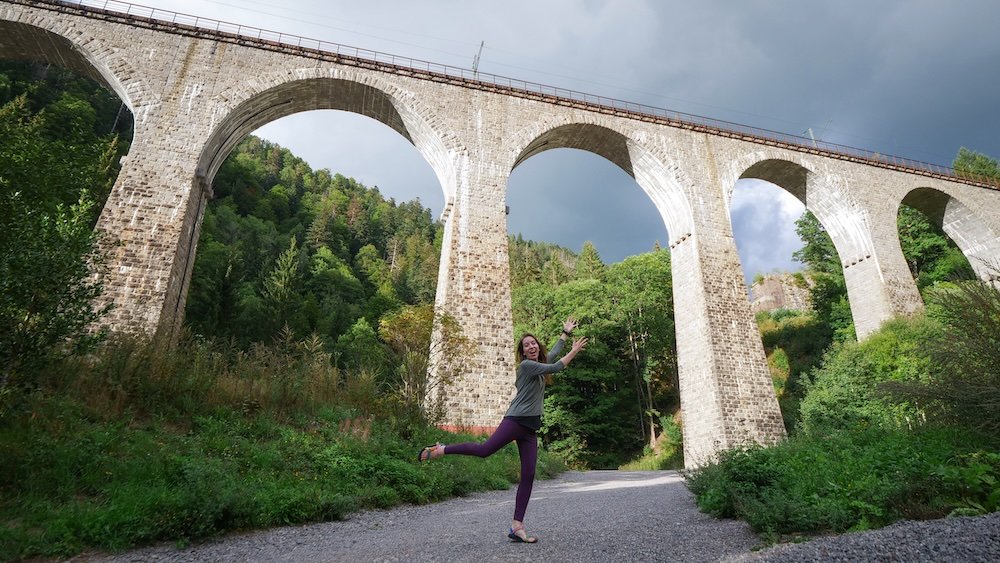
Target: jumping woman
[523,418]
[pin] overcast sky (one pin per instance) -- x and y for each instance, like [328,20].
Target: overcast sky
[913,78]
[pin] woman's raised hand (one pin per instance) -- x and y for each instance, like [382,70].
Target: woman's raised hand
[569,325]
[579,344]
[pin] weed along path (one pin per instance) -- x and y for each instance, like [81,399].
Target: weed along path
[578,516]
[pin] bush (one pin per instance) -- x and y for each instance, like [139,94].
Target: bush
[669,451]
[848,480]
[794,345]
[843,394]
[138,444]
[48,247]
[964,386]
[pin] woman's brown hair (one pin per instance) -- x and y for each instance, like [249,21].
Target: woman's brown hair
[542,353]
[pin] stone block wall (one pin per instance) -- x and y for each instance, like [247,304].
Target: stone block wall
[780,291]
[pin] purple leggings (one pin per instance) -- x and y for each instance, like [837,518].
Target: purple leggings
[527,449]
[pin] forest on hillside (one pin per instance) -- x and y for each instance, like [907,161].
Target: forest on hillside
[286,250]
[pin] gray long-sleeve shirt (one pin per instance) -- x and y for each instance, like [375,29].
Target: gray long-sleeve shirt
[530,383]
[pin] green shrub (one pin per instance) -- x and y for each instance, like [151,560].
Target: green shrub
[847,480]
[669,453]
[101,457]
[794,345]
[843,394]
[964,387]
[974,482]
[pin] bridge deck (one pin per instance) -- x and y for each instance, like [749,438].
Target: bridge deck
[206,28]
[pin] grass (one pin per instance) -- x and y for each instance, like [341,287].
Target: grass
[138,445]
[668,454]
[850,480]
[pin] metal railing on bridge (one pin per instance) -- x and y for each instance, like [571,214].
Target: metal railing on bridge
[366,58]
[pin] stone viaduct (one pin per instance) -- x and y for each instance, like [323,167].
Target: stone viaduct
[197,87]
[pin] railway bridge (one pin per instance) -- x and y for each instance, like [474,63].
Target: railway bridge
[197,87]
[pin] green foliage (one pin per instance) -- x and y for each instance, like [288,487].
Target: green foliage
[817,253]
[828,295]
[668,453]
[848,480]
[532,261]
[964,386]
[360,255]
[140,445]
[842,394]
[976,165]
[360,350]
[59,163]
[589,264]
[902,425]
[426,366]
[974,482]
[794,343]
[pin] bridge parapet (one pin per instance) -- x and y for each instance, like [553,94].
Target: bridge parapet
[216,30]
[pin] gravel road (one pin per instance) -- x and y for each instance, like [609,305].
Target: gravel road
[579,517]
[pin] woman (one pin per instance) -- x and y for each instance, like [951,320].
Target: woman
[523,418]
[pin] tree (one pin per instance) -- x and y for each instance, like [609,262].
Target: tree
[818,252]
[930,254]
[589,265]
[555,271]
[279,286]
[977,165]
[48,250]
[410,333]
[964,386]
[640,289]
[828,295]
[359,349]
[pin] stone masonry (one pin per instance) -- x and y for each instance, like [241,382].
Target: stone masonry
[195,93]
[780,291]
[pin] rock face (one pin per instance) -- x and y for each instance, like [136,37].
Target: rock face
[780,291]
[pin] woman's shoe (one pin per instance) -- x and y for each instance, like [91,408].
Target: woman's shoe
[523,537]
[425,454]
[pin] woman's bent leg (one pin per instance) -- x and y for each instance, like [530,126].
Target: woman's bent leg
[527,449]
[507,432]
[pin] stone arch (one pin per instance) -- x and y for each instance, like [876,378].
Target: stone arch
[284,93]
[826,196]
[630,153]
[71,47]
[968,230]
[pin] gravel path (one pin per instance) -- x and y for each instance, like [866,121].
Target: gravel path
[946,540]
[579,517]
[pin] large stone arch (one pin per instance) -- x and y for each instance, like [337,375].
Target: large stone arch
[280,94]
[827,197]
[236,113]
[725,401]
[973,235]
[39,38]
[631,154]
[871,278]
